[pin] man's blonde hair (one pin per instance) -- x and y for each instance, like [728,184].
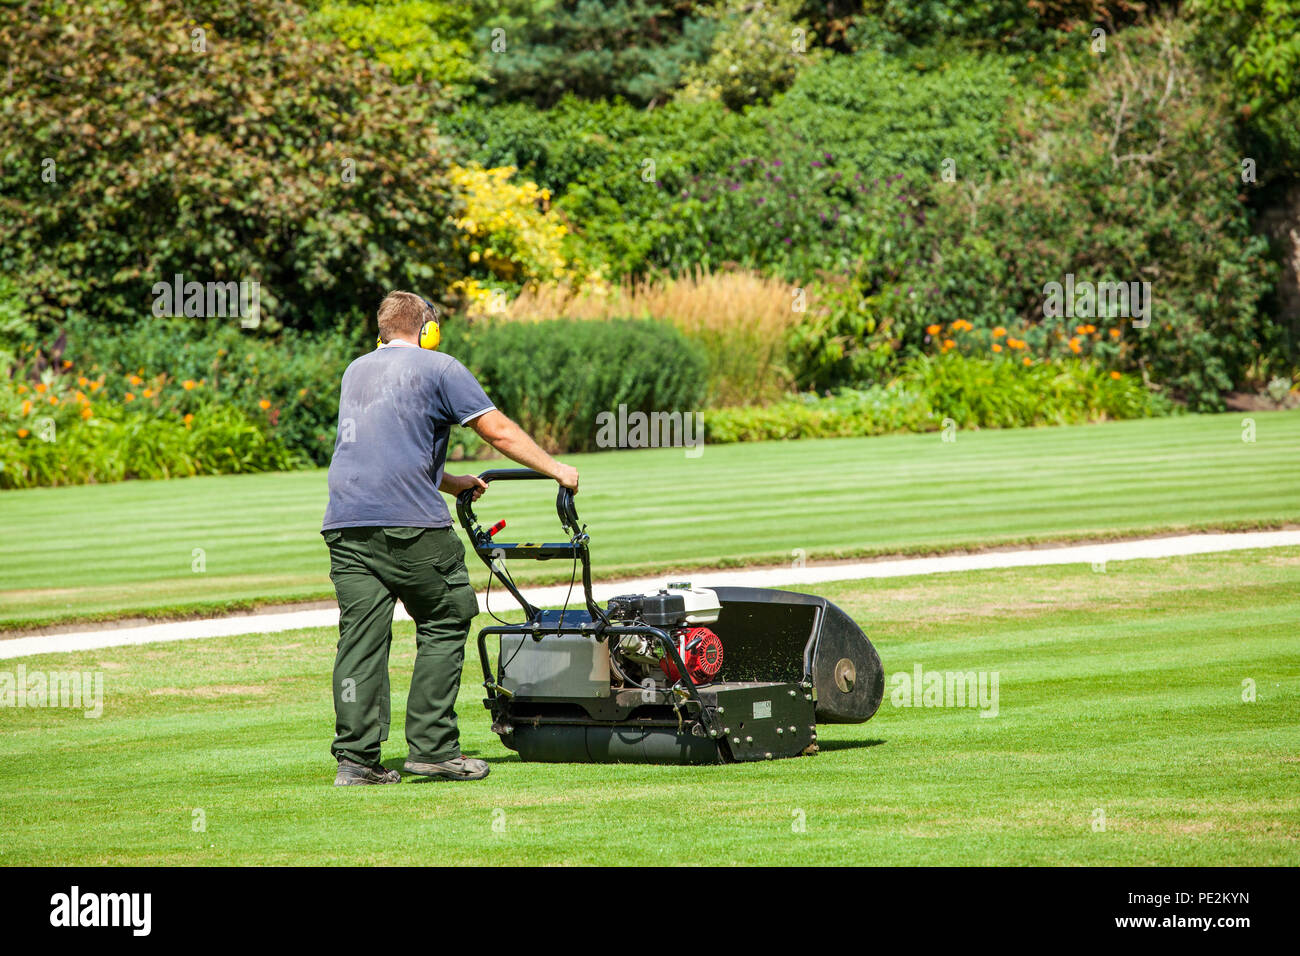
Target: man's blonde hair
[403,313]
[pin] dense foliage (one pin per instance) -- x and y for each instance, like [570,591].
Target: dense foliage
[868,197]
[137,143]
[556,377]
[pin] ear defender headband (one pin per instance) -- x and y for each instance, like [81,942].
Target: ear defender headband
[430,333]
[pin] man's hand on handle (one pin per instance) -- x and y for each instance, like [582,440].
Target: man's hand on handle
[509,439]
[455,484]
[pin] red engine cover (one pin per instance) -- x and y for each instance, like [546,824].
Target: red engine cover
[701,651]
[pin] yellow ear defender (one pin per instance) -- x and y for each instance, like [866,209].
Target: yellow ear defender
[430,333]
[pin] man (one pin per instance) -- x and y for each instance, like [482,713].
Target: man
[390,538]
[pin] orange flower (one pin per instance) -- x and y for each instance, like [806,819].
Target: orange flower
[23,433]
[67,363]
[27,406]
[129,396]
[1114,333]
[83,381]
[1074,346]
[189,418]
[188,384]
[94,386]
[932,330]
[263,404]
[40,388]
[996,347]
[86,412]
[148,393]
[54,399]
[961,325]
[22,389]
[1028,360]
[949,343]
[998,332]
[1114,375]
[135,380]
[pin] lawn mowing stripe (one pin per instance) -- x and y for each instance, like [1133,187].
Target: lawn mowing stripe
[654,508]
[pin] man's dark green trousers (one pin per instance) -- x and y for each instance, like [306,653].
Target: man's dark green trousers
[372,569]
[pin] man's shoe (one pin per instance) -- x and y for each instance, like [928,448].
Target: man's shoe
[354,774]
[458,768]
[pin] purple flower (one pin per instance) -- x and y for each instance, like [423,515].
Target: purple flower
[817,164]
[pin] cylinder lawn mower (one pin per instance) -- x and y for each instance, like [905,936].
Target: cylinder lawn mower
[683,676]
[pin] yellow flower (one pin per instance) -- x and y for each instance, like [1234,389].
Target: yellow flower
[22,389]
[27,406]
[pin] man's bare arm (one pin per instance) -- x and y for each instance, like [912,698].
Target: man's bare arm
[508,438]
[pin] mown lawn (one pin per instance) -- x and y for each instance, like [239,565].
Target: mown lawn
[115,550]
[1120,703]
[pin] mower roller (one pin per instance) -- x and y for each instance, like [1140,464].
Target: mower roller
[681,676]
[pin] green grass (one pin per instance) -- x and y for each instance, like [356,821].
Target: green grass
[1119,691]
[116,550]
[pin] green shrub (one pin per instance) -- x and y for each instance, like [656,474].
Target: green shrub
[808,183]
[1004,393]
[634,49]
[116,442]
[555,377]
[416,39]
[877,410]
[756,53]
[973,393]
[1150,199]
[296,374]
[133,149]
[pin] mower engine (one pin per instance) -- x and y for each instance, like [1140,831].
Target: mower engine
[681,675]
[680,610]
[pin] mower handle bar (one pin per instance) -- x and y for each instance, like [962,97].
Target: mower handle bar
[564,506]
[576,546]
